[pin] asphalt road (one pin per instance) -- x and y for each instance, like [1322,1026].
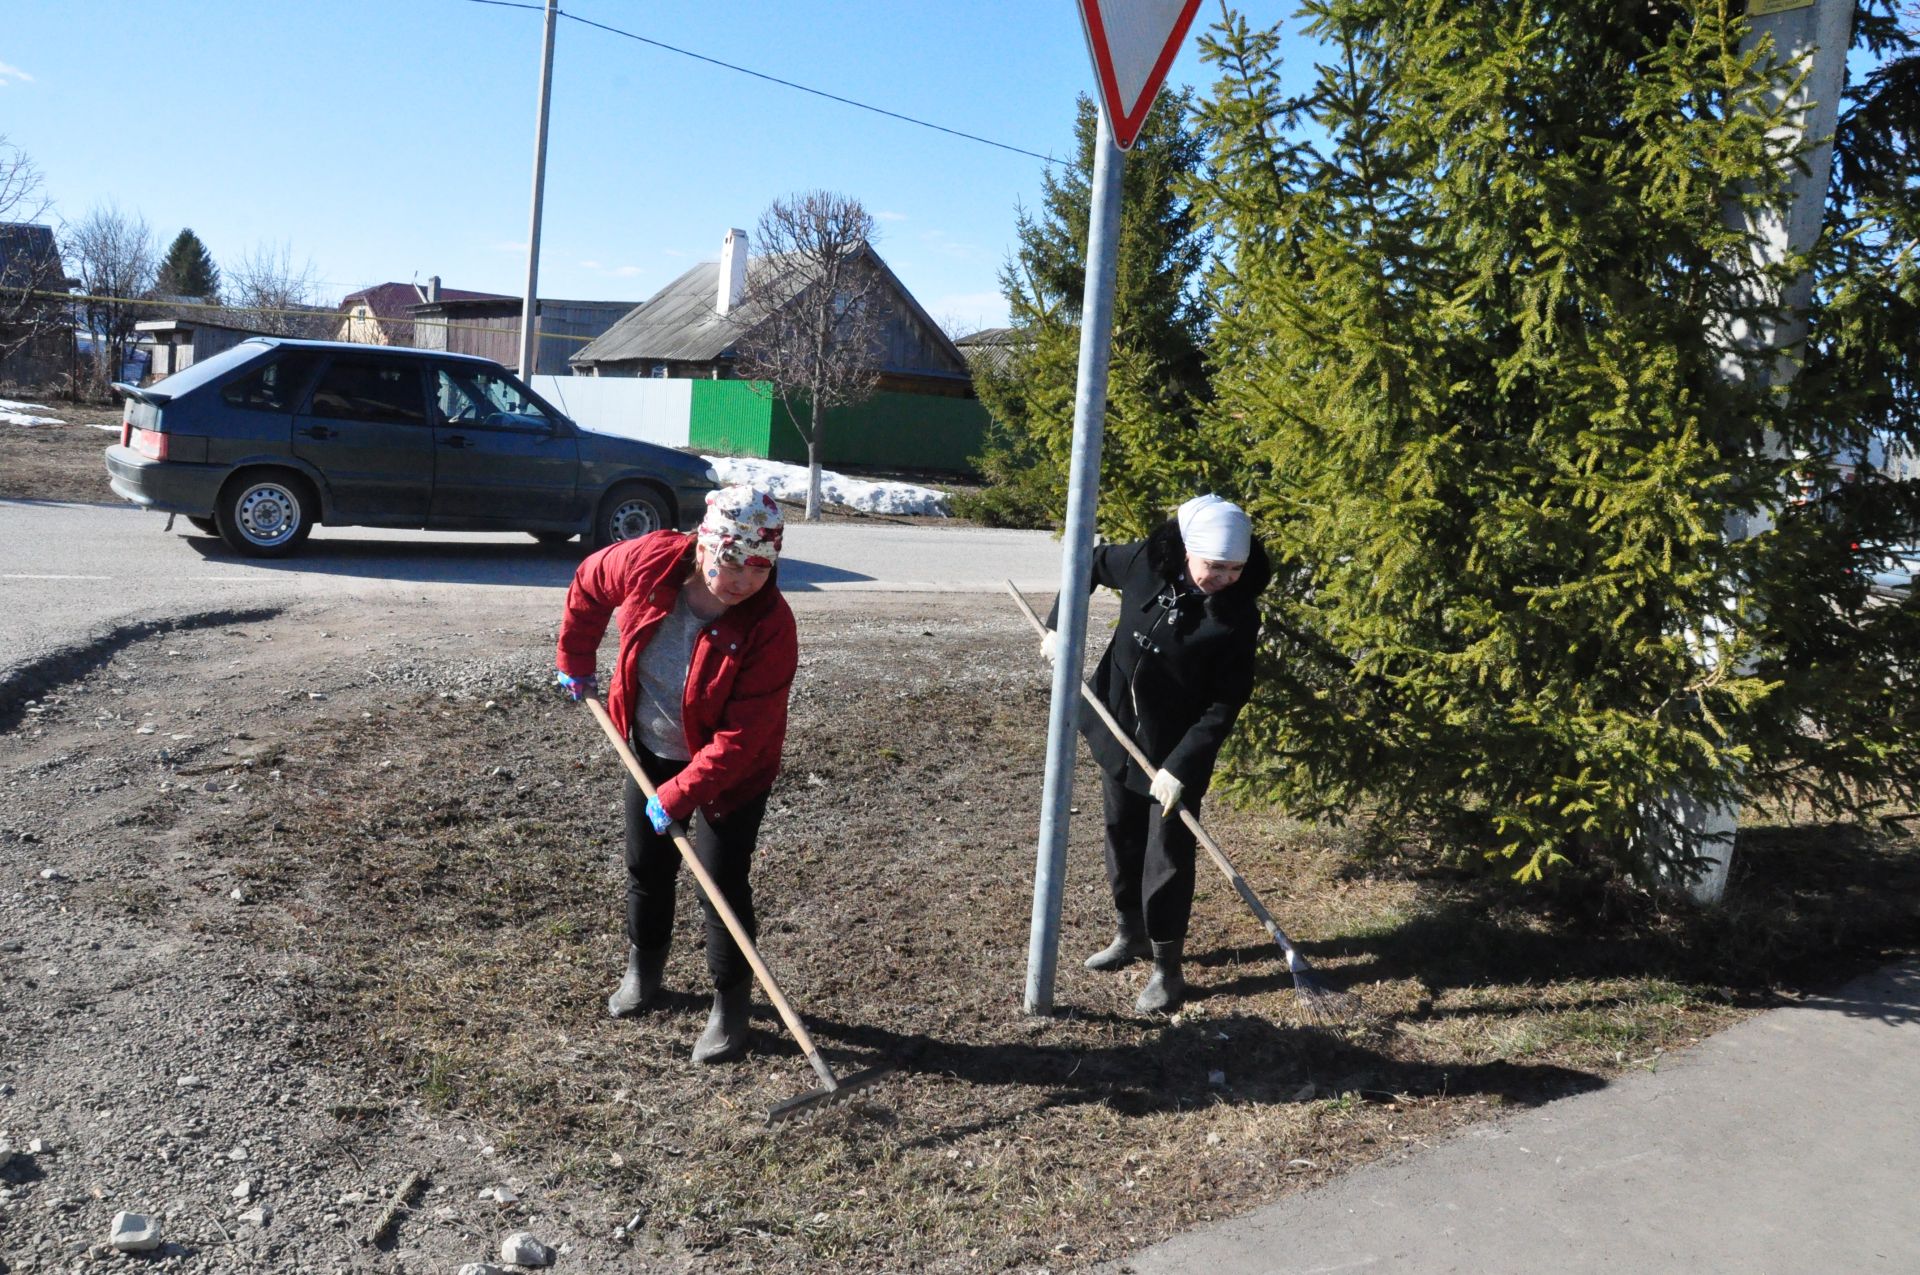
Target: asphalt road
[1787,1144]
[69,571]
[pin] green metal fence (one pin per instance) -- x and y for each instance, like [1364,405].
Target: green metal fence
[891,430]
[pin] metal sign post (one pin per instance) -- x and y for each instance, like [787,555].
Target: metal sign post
[1083,489]
[1132,44]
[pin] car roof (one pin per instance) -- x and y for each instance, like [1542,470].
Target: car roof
[378,351]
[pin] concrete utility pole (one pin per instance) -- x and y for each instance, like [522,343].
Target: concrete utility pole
[529,310]
[1814,35]
[1083,491]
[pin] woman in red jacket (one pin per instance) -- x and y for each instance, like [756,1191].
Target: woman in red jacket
[706,661]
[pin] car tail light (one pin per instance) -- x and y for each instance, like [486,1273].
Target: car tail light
[126,430]
[150,443]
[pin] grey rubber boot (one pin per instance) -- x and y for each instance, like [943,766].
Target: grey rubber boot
[725,1038]
[1129,945]
[1167,988]
[642,983]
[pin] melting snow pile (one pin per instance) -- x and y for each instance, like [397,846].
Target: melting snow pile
[789,482]
[12,413]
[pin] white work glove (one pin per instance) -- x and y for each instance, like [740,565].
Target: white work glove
[1050,647]
[1166,790]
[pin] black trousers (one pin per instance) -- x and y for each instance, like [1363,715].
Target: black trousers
[724,848]
[1149,860]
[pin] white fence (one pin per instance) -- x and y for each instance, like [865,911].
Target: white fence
[654,410]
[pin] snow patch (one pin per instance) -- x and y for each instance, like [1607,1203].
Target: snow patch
[12,413]
[789,482]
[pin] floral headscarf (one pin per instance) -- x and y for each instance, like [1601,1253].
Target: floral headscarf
[742,527]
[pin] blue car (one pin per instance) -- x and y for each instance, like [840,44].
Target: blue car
[260,442]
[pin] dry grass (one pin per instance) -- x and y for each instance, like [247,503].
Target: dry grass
[58,462]
[468,922]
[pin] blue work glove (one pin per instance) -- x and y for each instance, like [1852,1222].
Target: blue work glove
[657,816]
[577,688]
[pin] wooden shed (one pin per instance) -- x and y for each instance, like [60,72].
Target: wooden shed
[490,328]
[180,343]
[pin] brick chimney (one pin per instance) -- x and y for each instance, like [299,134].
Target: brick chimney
[733,271]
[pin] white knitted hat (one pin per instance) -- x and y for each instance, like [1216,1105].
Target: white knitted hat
[1216,529]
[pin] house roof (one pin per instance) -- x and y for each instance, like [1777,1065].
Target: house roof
[993,349]
[29,254]
[393,300]
[192,325]
[679,322]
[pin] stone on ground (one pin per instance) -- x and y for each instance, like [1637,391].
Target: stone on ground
[134,1233]
[522,1249]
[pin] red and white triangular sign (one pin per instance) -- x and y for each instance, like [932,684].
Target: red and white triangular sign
[1133,43]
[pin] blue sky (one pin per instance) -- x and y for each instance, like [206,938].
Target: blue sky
[393,139]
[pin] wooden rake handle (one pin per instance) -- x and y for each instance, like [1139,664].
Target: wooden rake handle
[1294,961]
[720,905]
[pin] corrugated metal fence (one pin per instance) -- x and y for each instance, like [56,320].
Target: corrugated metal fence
[654,411]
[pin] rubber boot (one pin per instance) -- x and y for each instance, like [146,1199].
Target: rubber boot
[1166,990]
[1129,945]
[642,983]
[725,1038]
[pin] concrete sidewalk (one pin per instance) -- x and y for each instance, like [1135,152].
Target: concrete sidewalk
[1790,1143]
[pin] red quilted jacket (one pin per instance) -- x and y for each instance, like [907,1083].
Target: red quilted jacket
[735,707]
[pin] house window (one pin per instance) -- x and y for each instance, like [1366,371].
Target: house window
[659,372]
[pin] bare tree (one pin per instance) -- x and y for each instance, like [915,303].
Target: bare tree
[114,255]
[270,294]
[30,267]
[813,313]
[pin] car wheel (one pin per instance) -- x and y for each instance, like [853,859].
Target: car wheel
[628,511]
[553,538]
[266,513]
[206,525]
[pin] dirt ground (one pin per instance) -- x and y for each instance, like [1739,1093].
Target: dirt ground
[59,462]
[306,926]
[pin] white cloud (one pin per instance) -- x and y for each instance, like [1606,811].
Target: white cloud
[11,73]
[626,272]
[589,265]
[884,215]
[674,253]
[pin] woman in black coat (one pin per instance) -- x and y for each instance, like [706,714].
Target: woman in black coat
[1175,676]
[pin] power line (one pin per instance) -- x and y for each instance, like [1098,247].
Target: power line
[214,311]
[774,79]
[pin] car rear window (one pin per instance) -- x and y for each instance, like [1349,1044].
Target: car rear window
[371,390]
[208,370]
[275,387]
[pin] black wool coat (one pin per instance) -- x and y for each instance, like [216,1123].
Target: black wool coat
[1180,665]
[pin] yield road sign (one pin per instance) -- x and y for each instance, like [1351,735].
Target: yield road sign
[1133,43]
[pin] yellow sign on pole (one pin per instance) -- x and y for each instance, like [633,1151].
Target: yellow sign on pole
[1761,8]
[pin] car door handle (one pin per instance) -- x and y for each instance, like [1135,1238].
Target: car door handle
[454,440]
[318,431]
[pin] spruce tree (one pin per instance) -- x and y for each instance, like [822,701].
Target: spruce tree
[1468,349]
[188,270]
[1156,380]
